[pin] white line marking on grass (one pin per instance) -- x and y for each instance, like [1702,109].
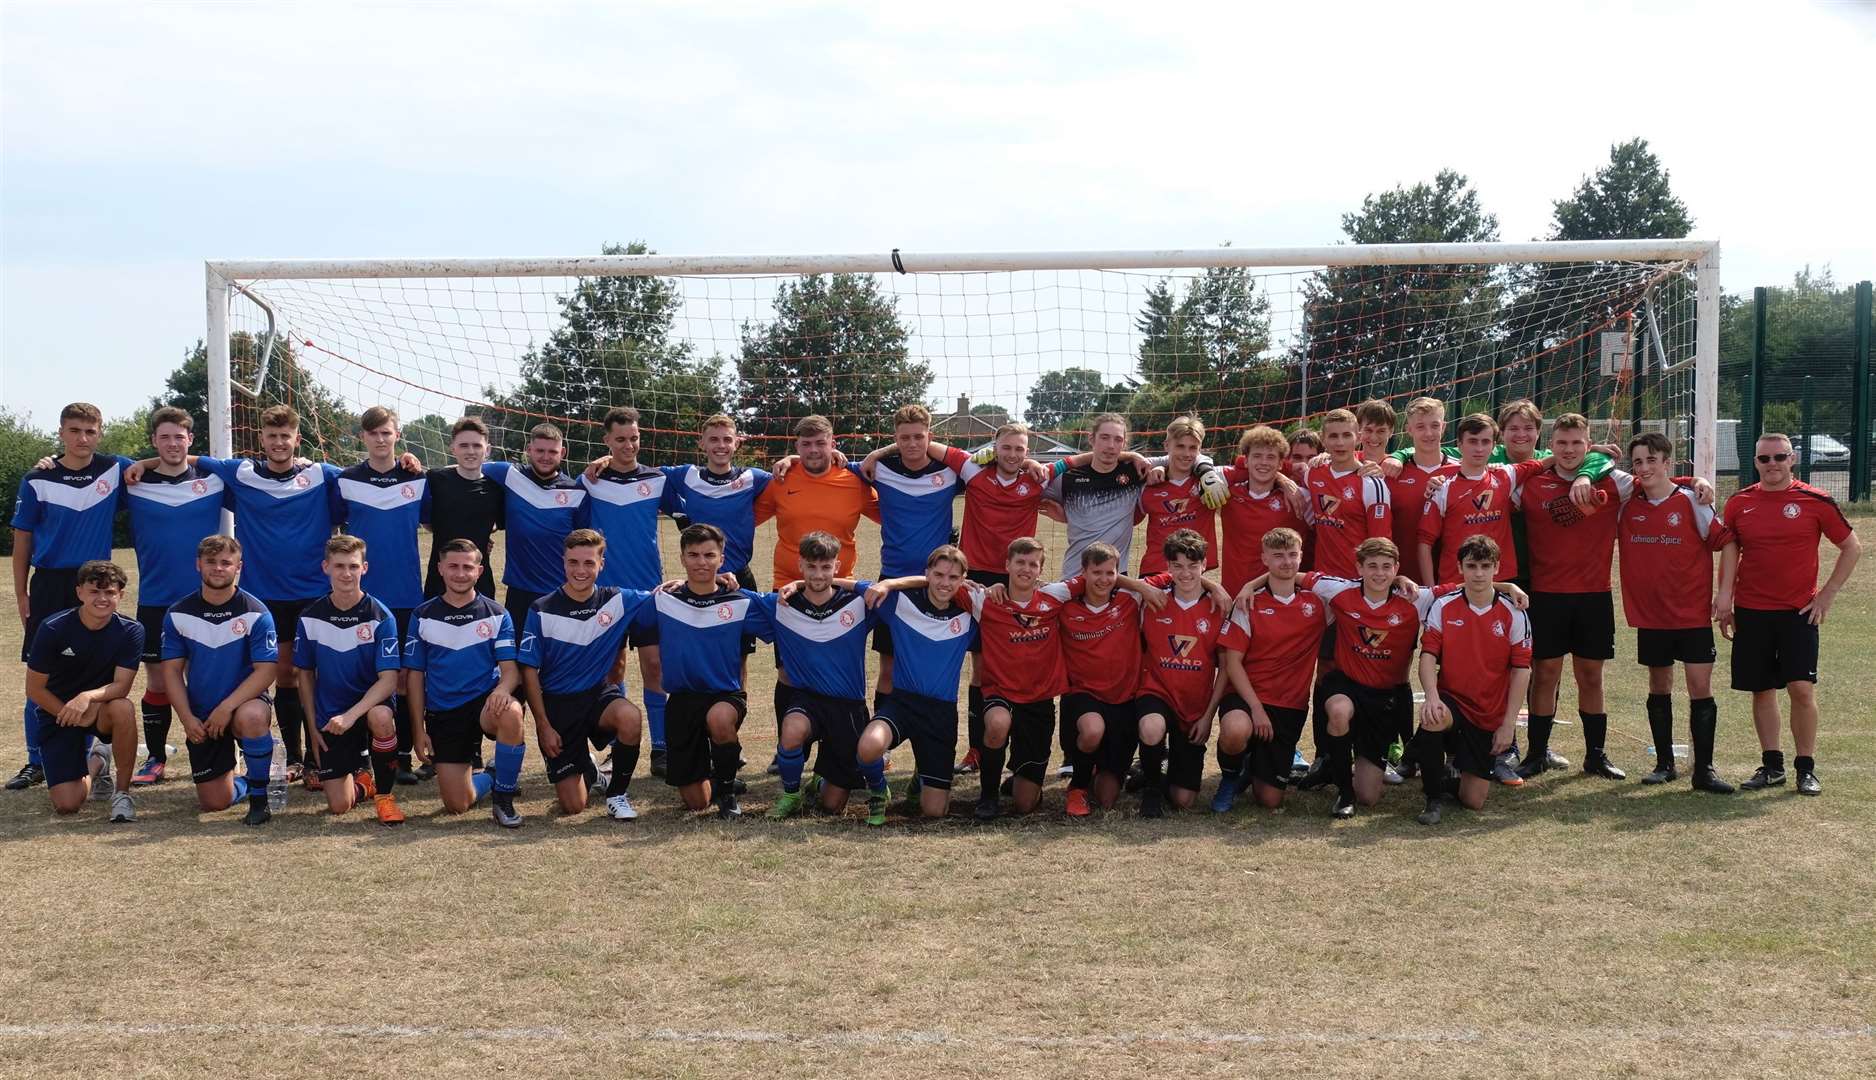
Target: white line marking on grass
[749,1036]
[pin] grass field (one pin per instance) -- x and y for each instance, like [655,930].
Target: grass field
[1574,928]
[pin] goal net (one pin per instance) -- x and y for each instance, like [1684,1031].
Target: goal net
[1624,332]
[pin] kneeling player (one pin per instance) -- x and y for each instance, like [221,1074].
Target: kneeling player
[219,655]
[820,636]
[461,656]
[78,675]
[1281,630]
[1471,706]
[1180,689]
[348,655]
[572,658]
[1023,673]
[1101,649]
[922,706]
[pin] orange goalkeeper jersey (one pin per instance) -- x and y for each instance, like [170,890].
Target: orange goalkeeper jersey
[802,503]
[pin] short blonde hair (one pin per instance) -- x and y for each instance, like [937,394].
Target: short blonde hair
[1012,428]
[1422,405]
[1186,427]
[1572,422]
[1376,547]
[1338,416]
[912,414]
[1282,538]
[1524,407]
[717,420]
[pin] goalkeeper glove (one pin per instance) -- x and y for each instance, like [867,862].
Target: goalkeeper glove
[1214,489]
[986,456]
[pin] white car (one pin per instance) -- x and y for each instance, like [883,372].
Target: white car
[1825,450]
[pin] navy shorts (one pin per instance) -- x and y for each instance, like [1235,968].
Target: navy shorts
[345,754]
[151,617]
[834,726]
[1185,759]
[932,728]
[52,589]
[1380,715]
[575,718]
[1469,744]
[62,749]
[1120,730]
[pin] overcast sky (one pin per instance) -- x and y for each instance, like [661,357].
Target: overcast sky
[138,141]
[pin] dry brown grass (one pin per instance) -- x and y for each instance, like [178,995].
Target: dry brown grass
[1573,928]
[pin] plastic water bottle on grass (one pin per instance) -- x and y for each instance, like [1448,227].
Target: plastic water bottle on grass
[277,783]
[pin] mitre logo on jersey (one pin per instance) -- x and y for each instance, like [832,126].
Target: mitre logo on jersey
[1455,622]
[1791,510]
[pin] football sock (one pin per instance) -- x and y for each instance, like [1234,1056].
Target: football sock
[259,753]
[791,762]
[32,736]
[402,754]
[292,719]
[1661,729]
[974,718]
[778,698]
[654,717]
[624,764]
[483,782]
[874,773]
[1319,728]
[156,720]
[1540,725]
[725,759]
[1065,734]
[1340,749]
[1429,750]
[240,788]
[1083,763]
[1705,721]
[1773,760]
[1805,764]
[990,771]
[1152,762]
[1232,764]
[507,771]
[384,763]
[1596,731]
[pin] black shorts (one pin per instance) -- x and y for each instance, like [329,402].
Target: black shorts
[62,749]
[346,754]
[1120,730]
[834,725]
[212,758]
[151,617]
[456,734]
[687,735]
[932,728]
[1269,760]
[516,601]
[882,638]
[1572,624]
[286,615]
[401,616]
[575,718]
[1380,715]
[1663,648]
[642,637]
[1032,725]
[1185,759]
[51,589]
[1772,649]
[1469,744]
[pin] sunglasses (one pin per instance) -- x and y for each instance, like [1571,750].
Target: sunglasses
[1767,459]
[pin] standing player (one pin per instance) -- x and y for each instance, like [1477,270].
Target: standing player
[466,503]
[1418,464]
[1177,501]
[347,651]
[61,521]
[1259,503]
[820,637]
[542,505]
[1471,705]
[1478,499]
[704,628]
[1667,540]
[1345,507]
[1180,685]
[1281,630]
[721,493]
[78,674]
[461,656]
[572,657]
[1099,495]
[1304,445]
[219,653]
[172,507]
[1770,605]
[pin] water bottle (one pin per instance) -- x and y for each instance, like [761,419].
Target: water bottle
[277,783]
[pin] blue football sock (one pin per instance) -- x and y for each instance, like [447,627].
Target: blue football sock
[508,766]
[654,718]
[32,736]
[790,763]
[241,788]
[259,752]
[483,780]
[874,773]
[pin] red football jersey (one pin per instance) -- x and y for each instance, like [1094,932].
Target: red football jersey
[1282,636]
[1374,643]
[1667,561]
[1102,647]
[1571,550]
[1182,644]
[1022,649]
[1247,517]
[996,511]
[1169,507]
[1777,533]
[1408,494]
[1345,509]
[1484,645]
[1469,506]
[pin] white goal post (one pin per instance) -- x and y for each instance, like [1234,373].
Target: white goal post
[1698,259]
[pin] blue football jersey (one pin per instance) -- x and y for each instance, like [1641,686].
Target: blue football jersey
[928,644]
[384,509]
[459,649]
[823,646]
[914,512]
[345,650]
[727,501]
[283,520]
[700,638]
[169,516]
[70,511]
[574,643]
[540,515]
[625,508]
[219,643]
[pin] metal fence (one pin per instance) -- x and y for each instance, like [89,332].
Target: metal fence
[1796,359]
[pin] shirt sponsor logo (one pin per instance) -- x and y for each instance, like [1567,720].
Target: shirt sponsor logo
[1372,637]
[1482,499]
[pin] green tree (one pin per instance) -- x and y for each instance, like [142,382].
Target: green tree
[328,430]
[21,445]
[1205,351]
[614,346]
[1389,331]
[836,347]
[127,436]
[1057,399]
[1810,330]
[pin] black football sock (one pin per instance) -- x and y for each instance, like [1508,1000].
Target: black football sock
[974,718]
[1661,728]
[1319,729]
[725,759]
[1231,764]
[1773,760]
[1429,750]
[1065,733]
[1705,722]
[1341,763]
[1539,726]
[1804,764]
[1596,732]
[292,719]
[990,770]
[624,763]
[1152,762]
[1083,763]
[156,720]
[384,767]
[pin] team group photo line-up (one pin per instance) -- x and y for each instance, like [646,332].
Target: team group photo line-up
[1411,607]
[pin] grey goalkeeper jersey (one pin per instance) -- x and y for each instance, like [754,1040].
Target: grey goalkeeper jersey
[1099,506]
